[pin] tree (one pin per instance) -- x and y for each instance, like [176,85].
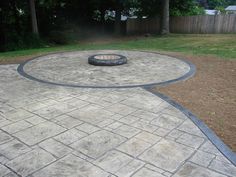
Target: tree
[185,8]
[118,10]
[203,3]
[33,17]
[213,4]
[165,20]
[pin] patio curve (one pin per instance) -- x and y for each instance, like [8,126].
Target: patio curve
[143,69]
[51,131]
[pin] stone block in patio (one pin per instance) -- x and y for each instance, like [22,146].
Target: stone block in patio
[145,172]
[126,131]
[4,170]
[4,137]
[167,155]
[167,121]
[192,170]
[134,147]
[70,136]
[143,102]
[30,162]
[34,135]
[113,161]
[56,148]
[98,143]
[13,149]
[71,166]
[91,114]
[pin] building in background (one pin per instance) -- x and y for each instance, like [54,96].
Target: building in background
[231,9]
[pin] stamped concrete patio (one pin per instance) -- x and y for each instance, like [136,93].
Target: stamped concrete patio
[61,117]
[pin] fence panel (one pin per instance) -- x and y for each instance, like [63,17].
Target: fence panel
[202,24]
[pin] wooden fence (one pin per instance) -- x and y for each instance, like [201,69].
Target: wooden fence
[202,24]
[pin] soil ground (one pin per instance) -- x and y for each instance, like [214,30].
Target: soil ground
[210,94]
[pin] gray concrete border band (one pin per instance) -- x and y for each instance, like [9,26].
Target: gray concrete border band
[221,146]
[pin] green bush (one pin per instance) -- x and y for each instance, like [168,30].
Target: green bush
[195,10]
[58,37]
[221,9]
[16,42]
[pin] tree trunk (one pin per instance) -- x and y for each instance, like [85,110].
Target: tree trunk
[103,22]
[165,26]
[2,32]
[16,16]
[118,21]
[33,17]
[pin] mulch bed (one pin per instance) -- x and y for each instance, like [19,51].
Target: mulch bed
[210,94]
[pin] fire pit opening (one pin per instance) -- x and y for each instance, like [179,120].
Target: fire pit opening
[107,60]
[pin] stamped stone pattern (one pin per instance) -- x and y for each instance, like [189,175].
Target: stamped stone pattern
[134,147]
[73,67]
[52,131]
[71,166]
[70,136]
[167,121]
[34,160]
[130,168]
[161,153]
[90,114]
[13,148]
[56,148]
[98,143]
[4,170]
[34,135]
[194,171]
[113,161]
[202,158]
[147,172]
[126,131]
[4,137]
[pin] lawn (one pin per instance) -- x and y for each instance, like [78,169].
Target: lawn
[221,46]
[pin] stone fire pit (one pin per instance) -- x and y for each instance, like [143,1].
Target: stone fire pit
[107,60]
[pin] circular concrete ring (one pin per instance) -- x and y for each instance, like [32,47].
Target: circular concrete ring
[71,69]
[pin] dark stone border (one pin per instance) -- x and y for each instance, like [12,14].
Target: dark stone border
[107,62]
[220,145]
[191,72]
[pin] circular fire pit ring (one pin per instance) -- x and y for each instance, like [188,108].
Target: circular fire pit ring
[107,60]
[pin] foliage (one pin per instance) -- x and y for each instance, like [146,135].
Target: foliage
[177,7]
[147,8]
[16,42]
[185,8]
[221,9]
[214,4]
[57,15]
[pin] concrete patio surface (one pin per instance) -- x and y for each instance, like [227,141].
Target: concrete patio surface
[51,127]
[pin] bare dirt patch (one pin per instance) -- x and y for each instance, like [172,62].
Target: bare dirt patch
[210,94]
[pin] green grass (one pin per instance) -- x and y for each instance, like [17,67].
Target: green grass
[222,46]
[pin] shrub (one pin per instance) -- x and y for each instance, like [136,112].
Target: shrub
[16,42]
